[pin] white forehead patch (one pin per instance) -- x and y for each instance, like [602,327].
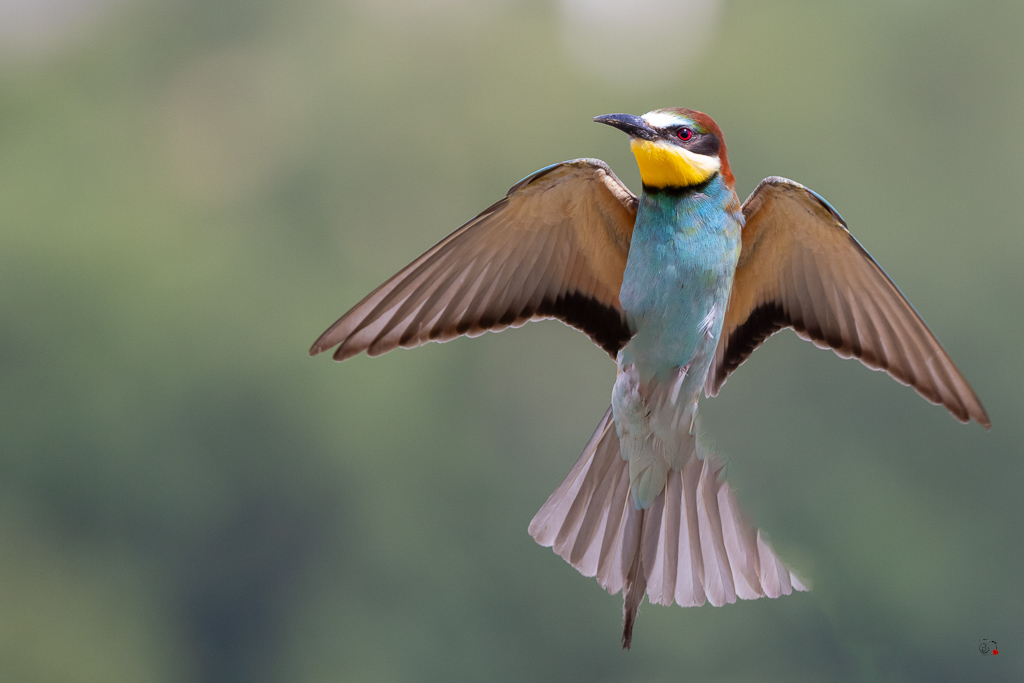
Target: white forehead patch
[664,119]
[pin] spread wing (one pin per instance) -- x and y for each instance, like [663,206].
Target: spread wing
[554,247]
[800,267]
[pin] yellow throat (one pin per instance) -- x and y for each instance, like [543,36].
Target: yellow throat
[663,164]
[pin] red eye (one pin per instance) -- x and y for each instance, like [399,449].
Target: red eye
[684,134]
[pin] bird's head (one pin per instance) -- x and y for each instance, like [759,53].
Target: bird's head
[675,147]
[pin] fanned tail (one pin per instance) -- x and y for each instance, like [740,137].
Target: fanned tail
[692,545]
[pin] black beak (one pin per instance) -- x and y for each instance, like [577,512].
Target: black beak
[634,126]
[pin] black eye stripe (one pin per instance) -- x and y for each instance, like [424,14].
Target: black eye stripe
[707,144]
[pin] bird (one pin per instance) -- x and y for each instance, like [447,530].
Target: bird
[679,285]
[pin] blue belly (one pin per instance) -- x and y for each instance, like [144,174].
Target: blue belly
[677,281]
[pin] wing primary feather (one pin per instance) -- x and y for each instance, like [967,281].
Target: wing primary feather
[554,247]
[800,267]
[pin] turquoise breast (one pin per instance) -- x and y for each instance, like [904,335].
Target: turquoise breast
[678,276]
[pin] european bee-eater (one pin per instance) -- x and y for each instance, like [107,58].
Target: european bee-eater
[679,286]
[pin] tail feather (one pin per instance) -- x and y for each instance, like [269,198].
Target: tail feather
[741,547]
[601,524]
[677,575]
[621,536]
[718,583]
[594,515]
[692,545]
[590,520]
[554,515]
[660,556]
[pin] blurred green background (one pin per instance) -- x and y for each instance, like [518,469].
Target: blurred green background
[192,190]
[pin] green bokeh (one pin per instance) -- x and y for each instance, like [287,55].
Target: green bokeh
[191,191]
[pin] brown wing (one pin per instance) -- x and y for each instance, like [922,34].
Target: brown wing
[554,247]
[800,267]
